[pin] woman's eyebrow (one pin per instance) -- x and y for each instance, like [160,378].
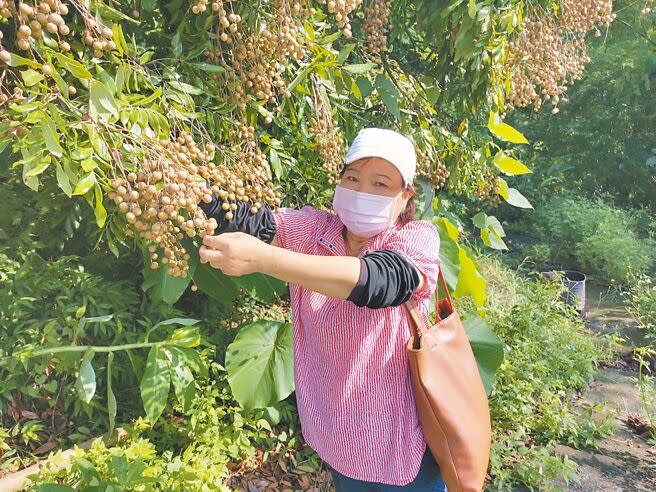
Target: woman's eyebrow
[383,175]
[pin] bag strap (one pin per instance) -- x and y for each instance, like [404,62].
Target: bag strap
[416,323]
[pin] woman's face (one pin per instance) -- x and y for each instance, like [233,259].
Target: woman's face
[376,176]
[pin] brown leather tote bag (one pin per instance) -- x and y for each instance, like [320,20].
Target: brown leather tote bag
[451,400]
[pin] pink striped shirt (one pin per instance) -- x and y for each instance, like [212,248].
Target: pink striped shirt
[353,388]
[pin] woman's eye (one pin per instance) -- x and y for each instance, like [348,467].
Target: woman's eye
[351,178]
[381,183]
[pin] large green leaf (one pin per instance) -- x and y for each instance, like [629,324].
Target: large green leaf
[260,364]
[182,378]
[487,347]
[516,199]
[155,383]
[215,284]
[262,287]
[509,165]
[192,358]
[470,281]
[504,130]
[164,286]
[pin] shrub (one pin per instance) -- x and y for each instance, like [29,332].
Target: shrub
[550,357]
[592,236]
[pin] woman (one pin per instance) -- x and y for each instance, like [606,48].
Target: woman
[349,275]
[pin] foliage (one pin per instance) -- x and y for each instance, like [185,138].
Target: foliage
[641,303]
[602,140]
[592,235]
[168,79]
[549,357]
[188,450]
[48,342]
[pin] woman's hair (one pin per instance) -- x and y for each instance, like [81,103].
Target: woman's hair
[408,214]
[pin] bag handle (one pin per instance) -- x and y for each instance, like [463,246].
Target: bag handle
[415,321]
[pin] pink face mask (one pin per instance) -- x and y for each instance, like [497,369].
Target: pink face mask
[364,214]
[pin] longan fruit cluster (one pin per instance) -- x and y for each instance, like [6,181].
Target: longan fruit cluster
[435,176]
[160,201]
[487,187]
[260,59]
[376,22]
[33,19]
[199,6]
[100,38]
[228,22]
[342,9]
[249,158]
[330,142]
[551,53]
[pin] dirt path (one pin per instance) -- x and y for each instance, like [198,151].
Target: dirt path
[624,462]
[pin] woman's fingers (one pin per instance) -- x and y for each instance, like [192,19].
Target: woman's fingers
[212,241]
[210,255]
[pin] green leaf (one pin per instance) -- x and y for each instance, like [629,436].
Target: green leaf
[31,77]
[111,399]
[262,287]
[259,363]
[38,168]
[516,199]
[73,66]
[54,487]
[276,165]
[86,380]
[186,336]
[192,358]
[85,184]
[101,102]
[182,378]
[186,88]
[216,284]
[487,348]
[449,228]
[492,239]
[99,210]
[503,189]
[509,165]
[19,61]
[51,138]
[471,10]
[388,94]
[470,281]
[164,286]
[62,180]
[358,68]
[208,67]
[155,384]
[505,131]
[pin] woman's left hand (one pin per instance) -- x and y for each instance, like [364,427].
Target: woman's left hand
[234,253]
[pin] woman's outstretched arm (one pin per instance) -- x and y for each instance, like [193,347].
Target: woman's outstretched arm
[388,279]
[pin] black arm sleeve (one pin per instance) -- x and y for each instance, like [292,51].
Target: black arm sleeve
[387,278]
[261,224]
